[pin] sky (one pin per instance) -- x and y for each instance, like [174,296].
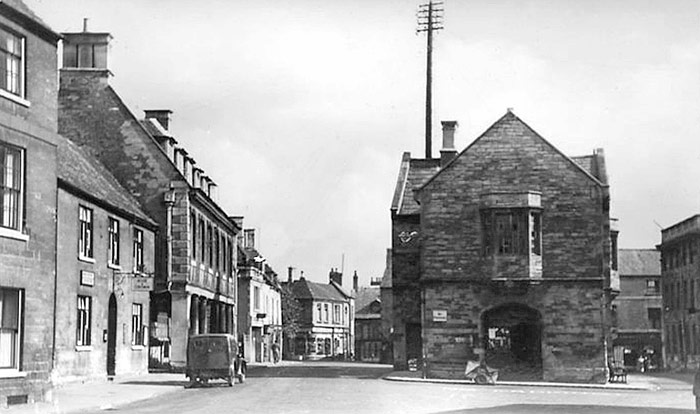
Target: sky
[300,110]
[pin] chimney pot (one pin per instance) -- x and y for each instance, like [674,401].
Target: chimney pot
[85,24]
[448,152]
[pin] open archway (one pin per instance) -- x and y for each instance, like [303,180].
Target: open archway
[513,341]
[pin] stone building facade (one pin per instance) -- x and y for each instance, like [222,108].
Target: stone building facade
[104,273]
[503,252]
[259,304]
[28,126]
[369,338]
[326,322]
[637,309]
[680,281]
[195,249]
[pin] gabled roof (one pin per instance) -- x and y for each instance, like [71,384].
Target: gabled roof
[365,296]
[29,18]
[508,127]
[306,289]
[639,262]
[78,171]
[412,174]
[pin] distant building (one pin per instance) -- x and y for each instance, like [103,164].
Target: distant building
[195,258]
[327,319]
[28,140]
[369,341]
[104,280]
[680,281]
[503,252]
[259,303]
[387,299]
[637,309]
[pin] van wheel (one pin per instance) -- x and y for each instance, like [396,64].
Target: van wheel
[481,379]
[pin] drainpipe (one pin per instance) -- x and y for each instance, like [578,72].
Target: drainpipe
[55,287]
[169,198]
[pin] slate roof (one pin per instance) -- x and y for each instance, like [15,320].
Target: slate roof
[364,297]
[413,173]
[19,6]
[77,170]
[306,289]
[386,278]
[639,262]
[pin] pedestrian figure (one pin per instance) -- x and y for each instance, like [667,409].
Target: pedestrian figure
[696,391]
[275,352]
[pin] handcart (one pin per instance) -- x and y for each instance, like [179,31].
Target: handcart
[481,373]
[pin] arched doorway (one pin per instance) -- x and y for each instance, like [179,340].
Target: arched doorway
[112,335]
[513,341]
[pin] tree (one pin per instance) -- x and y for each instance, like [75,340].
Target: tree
[291,317]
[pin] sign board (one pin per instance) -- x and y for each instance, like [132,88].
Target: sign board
[439,316]
[87,278]
[142,284]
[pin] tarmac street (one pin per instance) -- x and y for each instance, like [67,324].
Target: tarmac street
[337,387]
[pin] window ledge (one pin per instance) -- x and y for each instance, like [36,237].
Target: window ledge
[113,266]
[12,373]
[86,259]
[13,234]
[83,348]
[138,347]
[14,98]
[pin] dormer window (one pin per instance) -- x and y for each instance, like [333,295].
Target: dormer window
[11,63]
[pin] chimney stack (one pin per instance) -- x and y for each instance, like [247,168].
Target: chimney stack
[448,151]
[249,238]
[86,50]
[160,115]
[355,280]
[290,275]
[335,276]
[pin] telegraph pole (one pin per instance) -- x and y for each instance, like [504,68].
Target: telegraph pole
[429,20]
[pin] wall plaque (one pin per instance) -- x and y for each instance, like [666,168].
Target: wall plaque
[87,278]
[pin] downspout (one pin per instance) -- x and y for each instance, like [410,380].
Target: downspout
[55,285]
[169,198]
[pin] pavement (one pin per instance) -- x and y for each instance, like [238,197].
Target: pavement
[98,395]
[635,381]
